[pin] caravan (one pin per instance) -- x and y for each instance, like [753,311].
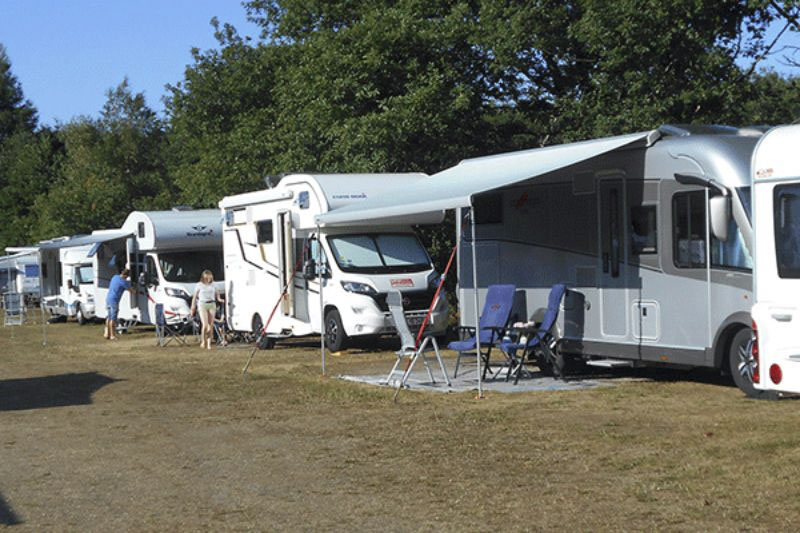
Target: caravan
[166,252]
[19,272]
[276,255]
[67,279]
[774,355]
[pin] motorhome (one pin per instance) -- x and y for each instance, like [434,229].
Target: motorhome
[652,232]
[67,279]
[19,272]
[166,252]
[774,355]
[276,257]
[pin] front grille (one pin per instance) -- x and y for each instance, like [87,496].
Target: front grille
[412,300]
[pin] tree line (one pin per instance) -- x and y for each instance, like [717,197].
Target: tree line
[387,86]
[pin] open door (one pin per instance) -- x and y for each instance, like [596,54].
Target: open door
[287,262]
[776,231]
[612,257]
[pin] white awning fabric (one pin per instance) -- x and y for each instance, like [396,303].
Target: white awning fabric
[455,186]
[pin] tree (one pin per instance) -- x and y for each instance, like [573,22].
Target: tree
[110,167]
[16,113]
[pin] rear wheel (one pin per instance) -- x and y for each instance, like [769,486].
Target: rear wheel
[742,365]
[335,337]
[262,341]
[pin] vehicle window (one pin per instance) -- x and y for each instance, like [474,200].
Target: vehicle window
[264,230]
[732,253]
[306,249]
[786,200]
[644,238]
[689,229]
[379,253]
[186,267]
[85,274]
[401,250]
[746,199]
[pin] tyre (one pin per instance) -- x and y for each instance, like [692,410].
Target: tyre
[335,337]
[262,341]
[79,316]
[742,365]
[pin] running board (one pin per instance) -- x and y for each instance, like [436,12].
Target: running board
[610,363]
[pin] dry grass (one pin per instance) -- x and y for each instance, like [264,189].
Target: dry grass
[128,436]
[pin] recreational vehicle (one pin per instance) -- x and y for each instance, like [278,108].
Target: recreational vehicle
[277,260]
[19,272]
[775,353]
[67,279]
[166,252]
[652,232]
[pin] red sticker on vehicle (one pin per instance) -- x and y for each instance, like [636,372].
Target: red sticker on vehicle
[404,282]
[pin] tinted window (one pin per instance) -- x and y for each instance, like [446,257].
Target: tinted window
[643,230]
[264,229]
[186,267]
[786,200]
[689,229]
[379,253]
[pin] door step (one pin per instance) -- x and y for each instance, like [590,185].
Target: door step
[610,363]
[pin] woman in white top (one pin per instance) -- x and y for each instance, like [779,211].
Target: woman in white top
[205,299]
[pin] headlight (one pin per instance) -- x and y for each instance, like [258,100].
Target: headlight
[358,288]
[177,293]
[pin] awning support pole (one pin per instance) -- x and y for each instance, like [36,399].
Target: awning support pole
[321,278]
[475,295]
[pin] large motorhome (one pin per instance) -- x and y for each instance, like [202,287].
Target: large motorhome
[67,279]
[166,252]
[653,241]
[775,361]
[272,243]
[19,272]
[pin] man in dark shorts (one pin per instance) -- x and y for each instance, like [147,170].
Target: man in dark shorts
[119,284]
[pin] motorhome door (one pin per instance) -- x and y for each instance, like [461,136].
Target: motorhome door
[612,282]
[776,224]
[287,262]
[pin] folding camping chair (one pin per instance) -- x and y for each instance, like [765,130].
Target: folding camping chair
[165,333]
[493,321]
[14,309]
[220,329]
[408,344]
[538,340]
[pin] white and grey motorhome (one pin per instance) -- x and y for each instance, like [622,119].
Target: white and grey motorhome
[166,252]
[272,239]
[67,279]
[651,232]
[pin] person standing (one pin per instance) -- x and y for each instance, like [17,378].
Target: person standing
[119,284]
[205,301]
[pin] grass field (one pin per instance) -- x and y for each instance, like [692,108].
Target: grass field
[98,435]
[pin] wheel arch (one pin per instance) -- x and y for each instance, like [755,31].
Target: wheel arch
[725,333]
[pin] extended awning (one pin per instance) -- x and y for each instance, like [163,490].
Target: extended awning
[95,238]
[455,186]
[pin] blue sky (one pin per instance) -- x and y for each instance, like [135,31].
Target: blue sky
[67,53]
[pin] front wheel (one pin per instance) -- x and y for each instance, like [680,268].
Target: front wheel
[79,316]
[335,337]
[742,365]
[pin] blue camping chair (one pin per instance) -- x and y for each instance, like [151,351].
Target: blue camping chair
[493,321]
[537,340]
[166,332]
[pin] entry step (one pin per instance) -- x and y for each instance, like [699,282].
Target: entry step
[610,363]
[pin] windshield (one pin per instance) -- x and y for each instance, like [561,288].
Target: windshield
[379,253]
[186,267]
[85,274]
[746,199]
[787,229]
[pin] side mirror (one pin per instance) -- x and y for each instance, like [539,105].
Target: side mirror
[719,208]
[310,269]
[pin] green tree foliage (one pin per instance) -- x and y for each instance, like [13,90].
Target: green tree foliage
[109,168]
[16,113]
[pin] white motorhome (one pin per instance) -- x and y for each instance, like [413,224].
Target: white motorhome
[775,353]
[272,240]
[67,279]
[19,272]
[166,252]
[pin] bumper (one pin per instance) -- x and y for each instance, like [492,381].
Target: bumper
[367,319]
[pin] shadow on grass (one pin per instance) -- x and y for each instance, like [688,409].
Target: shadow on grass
[50,391]
[7,515]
